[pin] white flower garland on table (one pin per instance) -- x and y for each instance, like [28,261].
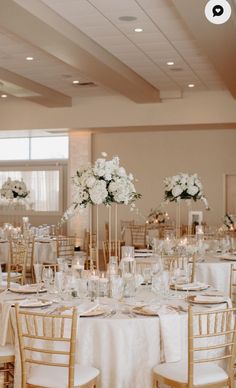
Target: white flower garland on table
[14,189]
[105,182]
[184,186]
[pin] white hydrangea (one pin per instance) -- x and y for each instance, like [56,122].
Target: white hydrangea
[14,189]
[98,192]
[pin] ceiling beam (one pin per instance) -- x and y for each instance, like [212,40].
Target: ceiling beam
[45,96]
[216,40]
[75,49]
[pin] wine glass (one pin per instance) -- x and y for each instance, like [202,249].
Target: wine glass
[47,276]
[38,276]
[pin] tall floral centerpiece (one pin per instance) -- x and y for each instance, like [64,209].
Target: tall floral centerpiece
[183,187]
[14,189]
[105,182]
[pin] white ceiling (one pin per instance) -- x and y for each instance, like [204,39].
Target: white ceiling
[105,50]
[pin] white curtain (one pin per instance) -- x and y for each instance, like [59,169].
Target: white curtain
[42,184]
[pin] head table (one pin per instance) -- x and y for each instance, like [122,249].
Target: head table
[124,346]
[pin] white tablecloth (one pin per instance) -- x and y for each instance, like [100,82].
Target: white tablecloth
[124,349]
[215,272]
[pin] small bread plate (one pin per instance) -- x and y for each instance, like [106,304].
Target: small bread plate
[33,303]
[206,299]
[145,310]
[93,313]
[27,289]
[196,286]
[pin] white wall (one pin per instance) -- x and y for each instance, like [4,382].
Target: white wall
[151,156]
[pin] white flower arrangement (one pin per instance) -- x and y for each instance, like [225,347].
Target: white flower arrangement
[184,186]
[105,182]
[14,189]
[157,216]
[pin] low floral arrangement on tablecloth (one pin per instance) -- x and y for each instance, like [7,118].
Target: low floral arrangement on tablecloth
[184,186]
[157,216]
[14,189]
[105,182]
[229,222]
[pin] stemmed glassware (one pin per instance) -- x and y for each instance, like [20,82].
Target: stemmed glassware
[47,276]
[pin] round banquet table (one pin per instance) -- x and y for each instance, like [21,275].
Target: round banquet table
[214,270]
[124,348]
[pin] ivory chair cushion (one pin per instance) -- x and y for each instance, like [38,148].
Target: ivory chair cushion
[7,350]
[57,377]
[203,373]
[12,274]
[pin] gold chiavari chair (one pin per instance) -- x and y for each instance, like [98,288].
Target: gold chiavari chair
[115,250]
[233,284]
[48,344]
[66,247]
[7,360]
[138,236]
[180,262]
[16,266]
[30,260]
[211,340]
[123,226]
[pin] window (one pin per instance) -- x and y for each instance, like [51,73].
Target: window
[27,148]
[49,147]
[44,185]
[14,149]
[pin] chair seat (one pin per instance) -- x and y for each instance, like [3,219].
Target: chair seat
[12,274]
[7,353]
[203,373]
[57,377]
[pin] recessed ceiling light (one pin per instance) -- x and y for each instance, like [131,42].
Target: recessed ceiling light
[170,63]
[127,18]
[3,95]
[75,82]
[138,30]
[191,85]
[29,58]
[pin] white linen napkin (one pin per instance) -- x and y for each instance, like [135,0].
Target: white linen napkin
[5,309]
[87,308]
[170,335]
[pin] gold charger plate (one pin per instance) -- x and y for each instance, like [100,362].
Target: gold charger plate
[192,298]
[94,313]
[144,311]
[35,304]
[182,287]
[27,290]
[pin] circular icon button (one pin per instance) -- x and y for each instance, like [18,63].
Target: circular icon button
[218,11]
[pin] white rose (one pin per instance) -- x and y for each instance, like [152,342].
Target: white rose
[90,181]
[192,190]
[176,191]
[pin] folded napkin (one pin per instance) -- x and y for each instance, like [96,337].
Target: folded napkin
[4,318]
[210,299]
[87,308]
[170,335]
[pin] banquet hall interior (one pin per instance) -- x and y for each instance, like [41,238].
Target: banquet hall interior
[117,193]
